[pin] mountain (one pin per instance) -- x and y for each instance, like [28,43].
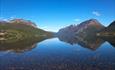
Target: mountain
[19,29]
[88,28]
[112,26]
[22,21]
[108,31]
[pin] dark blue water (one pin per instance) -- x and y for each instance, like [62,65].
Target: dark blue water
[53,54]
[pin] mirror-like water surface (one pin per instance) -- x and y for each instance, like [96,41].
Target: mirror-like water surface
[53,54]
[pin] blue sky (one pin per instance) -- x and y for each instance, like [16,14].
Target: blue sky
[52,15]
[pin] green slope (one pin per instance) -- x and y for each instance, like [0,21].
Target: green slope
[14,32]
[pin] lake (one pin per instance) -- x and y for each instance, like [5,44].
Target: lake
[57,54]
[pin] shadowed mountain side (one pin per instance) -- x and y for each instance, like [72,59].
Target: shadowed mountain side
[20,46]
[108,31]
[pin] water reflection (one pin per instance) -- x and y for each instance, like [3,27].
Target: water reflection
[52,54]
[91,43]
[20,46]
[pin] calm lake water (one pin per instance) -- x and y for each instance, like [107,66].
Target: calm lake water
[53,54]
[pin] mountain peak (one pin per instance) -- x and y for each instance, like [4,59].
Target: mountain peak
[22,21]
[91,21]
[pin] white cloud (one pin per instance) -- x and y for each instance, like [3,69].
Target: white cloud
[96,13]
[76,19]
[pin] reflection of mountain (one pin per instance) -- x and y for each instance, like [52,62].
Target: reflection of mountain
[90,43]
[20,46]
[111,40]
[69,39]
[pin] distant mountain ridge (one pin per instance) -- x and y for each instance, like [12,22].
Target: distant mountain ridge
[84,29]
